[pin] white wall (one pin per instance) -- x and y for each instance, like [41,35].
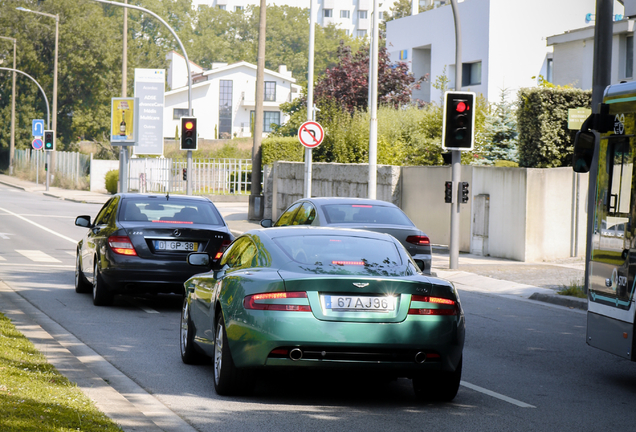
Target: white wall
[99,168]
[177,72]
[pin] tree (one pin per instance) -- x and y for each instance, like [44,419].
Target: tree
[348,81]
[500,141]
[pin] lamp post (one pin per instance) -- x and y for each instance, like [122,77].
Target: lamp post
[12,142]
[185,55]
[54,120]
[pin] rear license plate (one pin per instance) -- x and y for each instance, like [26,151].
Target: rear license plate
[162,245]
[359,303]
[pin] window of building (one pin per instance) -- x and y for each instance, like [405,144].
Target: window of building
[381,15]
[270,91]
[629,56]
[269,118]
[362,14]
[361,33]
[238,8]
[471,74]
[327,13]
[345,14]
[222,7]
[225,109]
[177,113]
[549,68]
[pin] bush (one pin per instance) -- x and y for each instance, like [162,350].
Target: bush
[542,120]
[282,148]
[112,177]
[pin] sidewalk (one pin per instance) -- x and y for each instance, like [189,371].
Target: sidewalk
[535,281]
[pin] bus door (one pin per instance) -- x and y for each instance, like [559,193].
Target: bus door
[610,316]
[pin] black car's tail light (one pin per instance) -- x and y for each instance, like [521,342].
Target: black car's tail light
[254,301]
[435,300]
[418,240]
[222,248]
[122,245]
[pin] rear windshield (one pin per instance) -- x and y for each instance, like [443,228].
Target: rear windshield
[169,211]
[365,214]
[342,254]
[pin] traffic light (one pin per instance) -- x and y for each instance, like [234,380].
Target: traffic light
[448,192]
[185,173]
[189,133]
[464,191]
[49,140]
[458,131]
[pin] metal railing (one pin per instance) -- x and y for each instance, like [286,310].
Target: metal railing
[209,176]
[72,166]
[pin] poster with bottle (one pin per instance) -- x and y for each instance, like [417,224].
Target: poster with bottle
[123,113]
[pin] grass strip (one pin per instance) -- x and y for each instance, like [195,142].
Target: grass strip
[34,396]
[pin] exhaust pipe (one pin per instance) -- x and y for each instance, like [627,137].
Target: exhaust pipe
[420,357]
[296,354]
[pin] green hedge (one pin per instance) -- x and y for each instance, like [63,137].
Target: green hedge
[282,148]
[542,120]
[111,181]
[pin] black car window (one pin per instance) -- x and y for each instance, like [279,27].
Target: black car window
[287,217]
[172,210]
[305,215]
[365,214]
[105,213]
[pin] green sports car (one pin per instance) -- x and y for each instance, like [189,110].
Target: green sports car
[328,298]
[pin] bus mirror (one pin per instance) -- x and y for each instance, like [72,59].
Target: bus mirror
[584,145]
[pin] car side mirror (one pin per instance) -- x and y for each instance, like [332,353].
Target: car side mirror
[584,146]
[266,223]
[83,221]
[199,259]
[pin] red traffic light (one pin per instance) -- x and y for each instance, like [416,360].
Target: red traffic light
[461,107]
[189,125]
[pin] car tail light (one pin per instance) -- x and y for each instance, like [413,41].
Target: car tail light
[418,240]
[435,300]
[250,302]
[121,245]
[222,248]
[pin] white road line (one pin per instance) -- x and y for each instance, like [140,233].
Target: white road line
[39,226]
[12,264]
[2,259]
[496,395]
[37,256]
[143,308]
[72,253]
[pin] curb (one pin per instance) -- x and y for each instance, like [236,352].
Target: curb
[570,302]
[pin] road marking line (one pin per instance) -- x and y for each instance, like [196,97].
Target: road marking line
[72,253]
[39,226]
[147,310]
[37,255]
[2,259]
[12,264]
[496,395]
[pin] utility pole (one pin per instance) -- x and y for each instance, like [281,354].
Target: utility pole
[373,106]
[12,141]
[123,151]
[255,210]
[311,114]
[456,154]
[601,78]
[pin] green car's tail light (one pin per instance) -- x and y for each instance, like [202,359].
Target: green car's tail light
[122,245]
[250,301]
[418,240]
[435,300]
[224,246]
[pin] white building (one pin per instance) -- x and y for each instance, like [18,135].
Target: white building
[354,16]
[573,56]
[503,42]
[223,98]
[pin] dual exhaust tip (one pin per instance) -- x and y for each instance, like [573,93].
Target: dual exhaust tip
[297,354]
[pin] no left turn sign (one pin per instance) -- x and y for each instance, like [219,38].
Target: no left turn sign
[311,134]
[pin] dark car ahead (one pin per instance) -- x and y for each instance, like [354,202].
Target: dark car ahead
[139,243]
[360,213]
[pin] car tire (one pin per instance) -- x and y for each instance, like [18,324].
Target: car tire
[101,295]
[228,379]
[189,353]
[81,284]
[438,386]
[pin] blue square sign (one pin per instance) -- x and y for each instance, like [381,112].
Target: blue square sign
[37,128]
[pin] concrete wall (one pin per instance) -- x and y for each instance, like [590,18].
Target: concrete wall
[99,168]
[534,214]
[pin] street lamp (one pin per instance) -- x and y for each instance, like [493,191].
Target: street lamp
[12,143]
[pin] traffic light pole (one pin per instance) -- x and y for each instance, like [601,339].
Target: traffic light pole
[453,249]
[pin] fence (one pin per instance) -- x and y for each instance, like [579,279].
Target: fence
[208,176]
[70,165]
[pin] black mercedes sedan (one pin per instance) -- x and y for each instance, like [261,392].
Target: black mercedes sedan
[139,244]
[360,213]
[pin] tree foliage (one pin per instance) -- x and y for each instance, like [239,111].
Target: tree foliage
[500,137]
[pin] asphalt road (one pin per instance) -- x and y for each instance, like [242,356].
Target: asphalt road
[526,365]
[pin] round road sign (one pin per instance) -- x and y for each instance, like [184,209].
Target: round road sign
[311,134]
[37,144]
